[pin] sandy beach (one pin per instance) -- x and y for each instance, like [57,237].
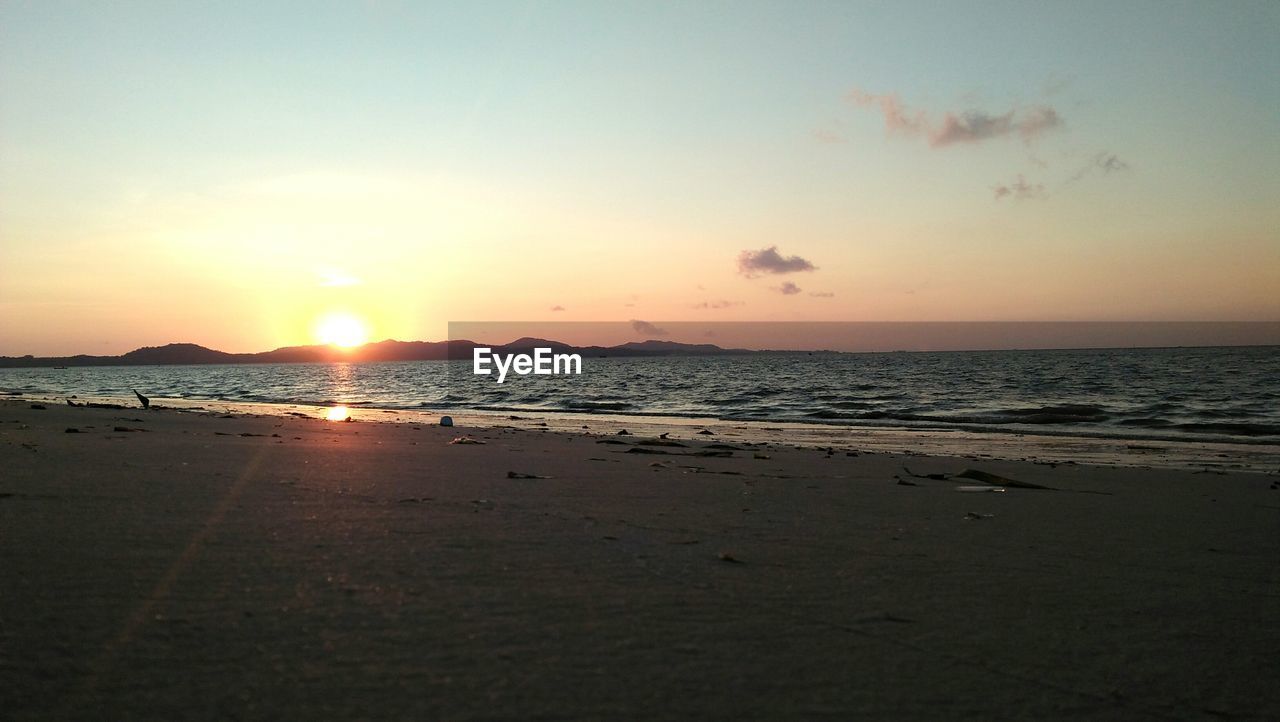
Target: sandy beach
[167,565]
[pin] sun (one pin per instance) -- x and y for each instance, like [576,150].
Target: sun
[342,330]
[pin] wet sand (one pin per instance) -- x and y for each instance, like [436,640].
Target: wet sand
[167,565]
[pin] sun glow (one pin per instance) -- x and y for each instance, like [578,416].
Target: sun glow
[337,413]
[342,330]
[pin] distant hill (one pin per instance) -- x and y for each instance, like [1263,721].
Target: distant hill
[389,350]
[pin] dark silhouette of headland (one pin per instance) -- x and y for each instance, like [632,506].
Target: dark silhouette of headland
[196,355]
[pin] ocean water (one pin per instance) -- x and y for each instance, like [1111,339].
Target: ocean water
[1196,394]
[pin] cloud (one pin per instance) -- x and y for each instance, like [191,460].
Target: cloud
[896,118]
[647,328]
[822,294]
[1020,190]
[717,304]
[787,289]
[1104,162]
[557,308]
[1109,162]
[755,263]
[971,126]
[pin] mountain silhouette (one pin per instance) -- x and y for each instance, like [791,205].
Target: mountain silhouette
[389,350]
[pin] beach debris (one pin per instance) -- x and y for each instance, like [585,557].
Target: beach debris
[465,440]
[996,480]
[125,429]
[727,447]
[72,403]
[935,477]
[519,475]
[96,405]
[729,558]
[638,450]
[762,457]
[659,442]
[904,482]
[975,516]
[715,453]
[705,432]
[38,407]
[146,402]
[977,489]
[446,421]
[623,432]
[982,476]
[611,441]
[72,430]
[663,435]
[850,453]
[883,617]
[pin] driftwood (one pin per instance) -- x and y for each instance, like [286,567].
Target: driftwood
[982,476]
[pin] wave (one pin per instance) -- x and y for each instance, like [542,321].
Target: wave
[1234,429]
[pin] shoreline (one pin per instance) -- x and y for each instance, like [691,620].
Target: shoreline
[161,564]
[1044,447]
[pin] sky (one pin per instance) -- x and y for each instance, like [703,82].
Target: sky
[254,175]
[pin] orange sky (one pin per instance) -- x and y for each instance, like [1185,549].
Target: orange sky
[583,163]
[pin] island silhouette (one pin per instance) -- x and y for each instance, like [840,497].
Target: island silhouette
[389,350]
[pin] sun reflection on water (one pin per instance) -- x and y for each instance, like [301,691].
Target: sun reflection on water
[337,413]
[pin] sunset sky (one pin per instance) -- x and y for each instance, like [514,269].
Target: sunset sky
[233,174]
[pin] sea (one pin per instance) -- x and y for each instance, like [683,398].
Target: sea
[1171,394]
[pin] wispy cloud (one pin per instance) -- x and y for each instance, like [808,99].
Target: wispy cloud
[557,308]
[1104,162]
[1019,190]
[645,327]
[1109,162]
[897,119]
[822,294]
[753,264]
[970,126]
[787,289]
[717,304]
